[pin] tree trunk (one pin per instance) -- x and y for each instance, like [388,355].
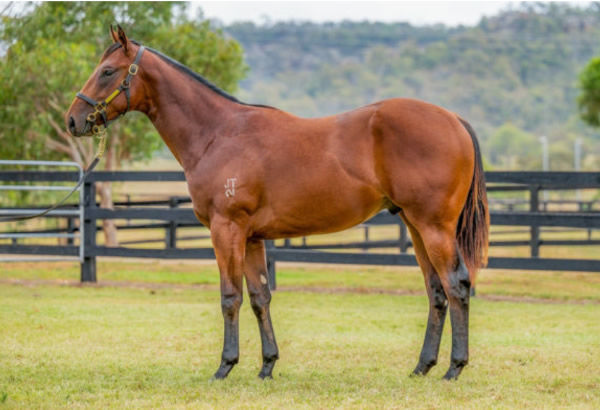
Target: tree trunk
[106,201]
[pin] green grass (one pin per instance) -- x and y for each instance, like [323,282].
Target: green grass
[107,347]
[115,346]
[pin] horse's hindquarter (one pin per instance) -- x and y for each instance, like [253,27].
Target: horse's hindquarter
[424,157]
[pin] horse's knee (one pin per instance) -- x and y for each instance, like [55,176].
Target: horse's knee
[230,303]
[260,301]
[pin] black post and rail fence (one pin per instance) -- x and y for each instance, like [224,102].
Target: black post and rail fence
[172,215]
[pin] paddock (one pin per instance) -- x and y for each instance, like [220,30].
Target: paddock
[147,335]
[534,333]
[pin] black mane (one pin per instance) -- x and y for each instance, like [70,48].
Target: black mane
[196,76]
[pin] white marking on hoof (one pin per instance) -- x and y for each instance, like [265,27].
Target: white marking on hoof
[263,279]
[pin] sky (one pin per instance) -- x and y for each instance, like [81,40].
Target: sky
[451,13]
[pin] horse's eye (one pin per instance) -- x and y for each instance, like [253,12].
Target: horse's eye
[107,72]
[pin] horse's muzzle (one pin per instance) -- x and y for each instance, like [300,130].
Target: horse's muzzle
[71,125]
[77,128]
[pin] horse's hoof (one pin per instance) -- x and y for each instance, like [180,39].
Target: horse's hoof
[267,369]
[223,371]
[422,369]
[453,372]
[264,376]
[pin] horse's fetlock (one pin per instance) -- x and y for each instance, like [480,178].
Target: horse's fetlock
[459,362]
[270,356]
[230,359]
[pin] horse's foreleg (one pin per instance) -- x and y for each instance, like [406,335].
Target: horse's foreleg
[260,298]
[229,242]
[438,305]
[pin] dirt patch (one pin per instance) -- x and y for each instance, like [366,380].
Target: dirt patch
[307,289]
[106,284]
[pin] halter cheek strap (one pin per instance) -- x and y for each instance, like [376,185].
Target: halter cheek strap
[100,107]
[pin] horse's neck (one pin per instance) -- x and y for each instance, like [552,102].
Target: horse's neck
[186,113]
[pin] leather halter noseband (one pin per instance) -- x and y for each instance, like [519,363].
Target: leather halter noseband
[100,107]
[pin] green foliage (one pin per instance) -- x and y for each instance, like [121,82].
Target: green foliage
[509,147]
[589,99]
[54,46]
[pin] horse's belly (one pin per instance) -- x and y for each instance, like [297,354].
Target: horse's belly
[317,209]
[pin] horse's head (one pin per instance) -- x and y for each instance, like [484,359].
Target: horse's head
[111,90]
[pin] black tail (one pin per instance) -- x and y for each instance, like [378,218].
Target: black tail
[473,226]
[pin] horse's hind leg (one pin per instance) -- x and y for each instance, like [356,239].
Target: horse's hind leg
[260,297]
[440,243]
[438,304]
[229,243]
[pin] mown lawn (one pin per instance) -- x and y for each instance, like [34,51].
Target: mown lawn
[152,346]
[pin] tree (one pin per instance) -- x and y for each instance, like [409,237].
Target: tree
[51,49]
[512,148]
[589,99]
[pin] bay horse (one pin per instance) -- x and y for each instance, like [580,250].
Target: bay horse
[256,172]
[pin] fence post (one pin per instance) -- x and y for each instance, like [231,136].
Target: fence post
[88,267]
[70,230]
[403,237]
[270,245]
[534,203]
[171,231]
[366,231]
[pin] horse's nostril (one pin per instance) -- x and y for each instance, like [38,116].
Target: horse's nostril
[72,125]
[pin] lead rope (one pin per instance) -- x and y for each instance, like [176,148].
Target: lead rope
[101,148]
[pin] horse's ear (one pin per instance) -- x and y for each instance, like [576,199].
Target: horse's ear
[113,34]
[121,37]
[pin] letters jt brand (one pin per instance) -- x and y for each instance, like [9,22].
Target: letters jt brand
[230,187]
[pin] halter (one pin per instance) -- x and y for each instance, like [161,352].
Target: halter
[100,107]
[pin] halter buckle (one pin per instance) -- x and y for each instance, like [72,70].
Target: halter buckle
[98,130]
[133,69]
[91,117]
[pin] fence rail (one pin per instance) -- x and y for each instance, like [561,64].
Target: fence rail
[76,211]
[173,218]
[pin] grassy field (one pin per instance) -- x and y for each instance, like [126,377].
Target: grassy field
[149,335]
